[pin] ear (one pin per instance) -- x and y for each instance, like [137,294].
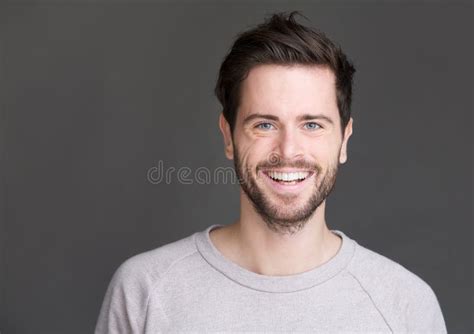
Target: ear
[227,135]
[347,134]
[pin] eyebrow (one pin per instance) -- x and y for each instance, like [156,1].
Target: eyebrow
[305,117]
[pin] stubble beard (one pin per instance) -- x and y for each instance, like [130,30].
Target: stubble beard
[286,218]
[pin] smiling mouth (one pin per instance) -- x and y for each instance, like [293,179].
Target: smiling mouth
[288,178]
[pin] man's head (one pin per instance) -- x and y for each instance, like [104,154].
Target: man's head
[283,41]
[286,94]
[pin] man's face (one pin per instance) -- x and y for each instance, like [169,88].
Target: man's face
[287,142]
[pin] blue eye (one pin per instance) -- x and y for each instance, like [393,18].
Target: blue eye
[312,126]
[264,126]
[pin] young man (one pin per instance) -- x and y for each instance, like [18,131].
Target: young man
[286,96]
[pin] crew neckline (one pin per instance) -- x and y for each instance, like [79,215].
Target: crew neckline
[286,283]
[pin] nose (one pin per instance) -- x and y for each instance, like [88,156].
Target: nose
[290,145]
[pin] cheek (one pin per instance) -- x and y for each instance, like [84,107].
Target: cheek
[326,147]
[244,155]
[251,156]
[325,154]
[320,150]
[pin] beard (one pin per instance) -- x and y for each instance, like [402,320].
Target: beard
[286,217]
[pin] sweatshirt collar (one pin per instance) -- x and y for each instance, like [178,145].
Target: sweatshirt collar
[287,283]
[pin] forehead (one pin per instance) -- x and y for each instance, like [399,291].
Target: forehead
[289,90]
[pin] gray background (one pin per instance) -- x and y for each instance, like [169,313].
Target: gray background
[94,94]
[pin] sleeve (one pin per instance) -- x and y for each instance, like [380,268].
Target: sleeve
[424,313]
[126,300]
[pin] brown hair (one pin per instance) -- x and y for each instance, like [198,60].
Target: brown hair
[281,40]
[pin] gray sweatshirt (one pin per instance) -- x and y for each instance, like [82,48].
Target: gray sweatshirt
[188,285]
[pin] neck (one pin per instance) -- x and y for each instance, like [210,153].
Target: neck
[264,251]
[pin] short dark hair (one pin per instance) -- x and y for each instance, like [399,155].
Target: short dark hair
[280,40]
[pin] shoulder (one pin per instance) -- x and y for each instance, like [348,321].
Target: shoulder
[125,304]
[149,266]
[399,294]
[383,276]
[368,265]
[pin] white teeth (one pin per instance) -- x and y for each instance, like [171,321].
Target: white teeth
[293,176]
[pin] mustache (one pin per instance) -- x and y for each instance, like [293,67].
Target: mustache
[274,161]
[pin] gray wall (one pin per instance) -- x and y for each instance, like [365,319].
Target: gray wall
[94,94]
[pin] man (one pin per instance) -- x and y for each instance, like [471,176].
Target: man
[286,95]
